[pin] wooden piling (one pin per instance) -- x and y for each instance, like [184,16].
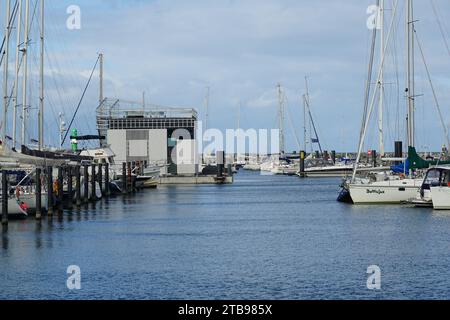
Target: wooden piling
[220,160]
[60,189]
[398,151]
[230,170]
[124,178]
[50,200]
[69,188]
[374,158]
[100,178]
[86,184]
[333,156]
[78,184]
[129,180]
[4,197]
[38,194]
[93,180]
[107,191]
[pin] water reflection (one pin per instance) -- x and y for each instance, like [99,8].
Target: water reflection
[5,238]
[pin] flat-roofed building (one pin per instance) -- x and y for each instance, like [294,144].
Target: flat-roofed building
[150,134]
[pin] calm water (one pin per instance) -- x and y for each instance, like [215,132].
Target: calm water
[265,237]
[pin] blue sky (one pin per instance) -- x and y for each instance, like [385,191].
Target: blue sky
[174,49]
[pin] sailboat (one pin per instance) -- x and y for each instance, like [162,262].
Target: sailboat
[319,165]
[273,164]
[387,187]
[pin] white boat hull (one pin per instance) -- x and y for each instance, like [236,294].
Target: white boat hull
[386,192]
[441,198]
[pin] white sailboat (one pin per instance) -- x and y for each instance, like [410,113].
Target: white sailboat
[392,188]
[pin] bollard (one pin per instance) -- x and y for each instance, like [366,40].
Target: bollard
[93,180]
[69,188]
[86,184]
[4,198]
[333,156]
[50,200]
[60,189]
[374,158]
[124,178]
[78,184]
[38,194]
[100,178]
[107,193]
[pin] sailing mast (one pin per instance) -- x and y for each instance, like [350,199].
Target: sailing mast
[311,121]
[281,119]
[41,83]
[381,82]
[100,98]
[25,70]
[206,118]
[368,112]
[5,71]
[16,76]
[410,72]
[206,107]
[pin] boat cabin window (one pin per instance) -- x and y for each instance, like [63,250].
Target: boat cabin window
[432,180]
[445,179]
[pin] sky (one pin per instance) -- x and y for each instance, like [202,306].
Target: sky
[172,50]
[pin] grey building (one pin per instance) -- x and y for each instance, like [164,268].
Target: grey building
[150,134]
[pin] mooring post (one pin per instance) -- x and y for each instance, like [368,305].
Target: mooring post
[50,200]
[124,178]
[302,163]
[107,180]
[129,182]
[38,194]
[230,170]
[86,184]
[70,188]
[374,158]
[220,160]
[398,151]
[60,189]
[100,178]
[4,197]
[93,180]
[78,184]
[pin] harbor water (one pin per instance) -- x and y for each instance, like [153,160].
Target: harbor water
[264,237]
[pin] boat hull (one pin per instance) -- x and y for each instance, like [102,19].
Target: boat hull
[383,193]
[441,198]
